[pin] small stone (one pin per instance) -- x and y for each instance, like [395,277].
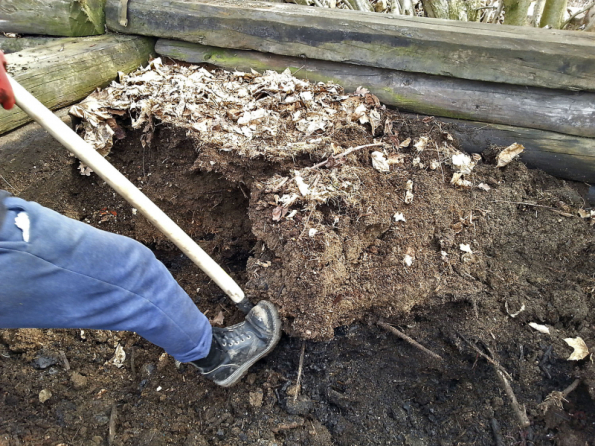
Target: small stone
[302,406]
[96,441]
[44,360]
[147,370]
[255,398]
[251,378]
[497,402]
[78,381]
[44,395]
[101,419]
[293,390]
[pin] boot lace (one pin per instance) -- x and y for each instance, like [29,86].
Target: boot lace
[231,338]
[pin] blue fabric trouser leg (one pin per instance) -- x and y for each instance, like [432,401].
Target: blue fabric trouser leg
[71,275]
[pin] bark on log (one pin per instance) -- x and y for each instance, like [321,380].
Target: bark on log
[12,45]
[554,110]
[470,50]
[553,13]
[64,72]
[70,18]
[515,12]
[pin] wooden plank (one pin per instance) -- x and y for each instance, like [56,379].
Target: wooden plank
[468,50]
[540,108]
[61,73]
[12,45]
[70,18]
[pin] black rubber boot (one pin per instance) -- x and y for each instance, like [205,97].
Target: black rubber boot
[236,348]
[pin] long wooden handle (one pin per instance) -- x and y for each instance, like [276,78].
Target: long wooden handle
[83,151]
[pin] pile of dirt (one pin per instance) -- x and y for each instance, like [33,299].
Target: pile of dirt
[358,211]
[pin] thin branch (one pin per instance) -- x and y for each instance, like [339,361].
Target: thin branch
[585,9]
[344,154]
[520,412]
[498,11]
[406,338]
[486,357]
[10,185]
[571,387]
[300,370]
[112,425]
[564,214]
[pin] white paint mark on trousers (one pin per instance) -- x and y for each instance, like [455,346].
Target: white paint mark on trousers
[22,222]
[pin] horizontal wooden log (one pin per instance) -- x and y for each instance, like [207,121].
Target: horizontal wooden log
[468,50]
[564,156]
[540,108]
[69,18]
[12,45]
[64,72]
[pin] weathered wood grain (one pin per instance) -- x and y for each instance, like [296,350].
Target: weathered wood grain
[61,73]
[70,18]
[540,108]
[12,45]
[468,50]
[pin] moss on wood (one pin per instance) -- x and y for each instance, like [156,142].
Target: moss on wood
[69,18]
[467,50]
[64,72]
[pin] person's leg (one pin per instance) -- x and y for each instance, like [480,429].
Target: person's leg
[71,275]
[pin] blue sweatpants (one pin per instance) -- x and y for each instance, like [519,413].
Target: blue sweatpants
[71,275]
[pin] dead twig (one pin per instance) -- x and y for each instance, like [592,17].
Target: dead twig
[580,11]
[112,425]
[518,410]
[9,185]
[496,431]
[64,360]
[298,382]
[555,398]
[344,154]
[287,426]
[132,365]
[483,355]
[498,12]
[406,338]
[524,203]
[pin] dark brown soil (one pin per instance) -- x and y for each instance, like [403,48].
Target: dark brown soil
[361,385]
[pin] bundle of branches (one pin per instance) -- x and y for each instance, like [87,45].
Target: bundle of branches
[571,14]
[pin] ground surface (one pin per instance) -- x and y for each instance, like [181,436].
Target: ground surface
[361,385]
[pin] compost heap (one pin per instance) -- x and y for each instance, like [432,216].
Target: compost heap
[360,212]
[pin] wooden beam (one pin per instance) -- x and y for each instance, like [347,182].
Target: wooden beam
[12,44]
[64,72]
[468,50]
[70,18]
[539,108]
